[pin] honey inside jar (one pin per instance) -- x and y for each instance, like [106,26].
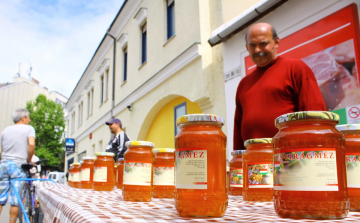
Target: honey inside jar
[87,173]
[119,173]
[138,168]
[310,173]
[236,173]
[352,153]
[258,170]
[200,166]
[70,182]
[163,176]
[76,175]
[104,177]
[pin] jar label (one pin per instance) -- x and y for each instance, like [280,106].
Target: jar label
[164,175]
[191,168]
[236,177]
[260,175]
[70,177]
[76,176]
[353,170]
[137,173]
[100,174]
[85,174]
[312,169]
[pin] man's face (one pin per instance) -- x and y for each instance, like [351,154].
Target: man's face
[113,127]
[26,119]
[261,45]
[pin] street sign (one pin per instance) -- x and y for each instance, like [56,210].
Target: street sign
[70,145]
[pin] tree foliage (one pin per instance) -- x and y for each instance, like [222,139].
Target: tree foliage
[47,118]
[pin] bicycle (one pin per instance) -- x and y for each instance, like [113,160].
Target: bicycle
[26,194]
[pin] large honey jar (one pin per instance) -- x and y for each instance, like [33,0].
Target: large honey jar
[104,177]
[258,170]
[309,162]
[76,175]
[70,181]
[352,159]
[163,176]
[200,166]
[138,168]
[87,172]
[236,173]
[119,173]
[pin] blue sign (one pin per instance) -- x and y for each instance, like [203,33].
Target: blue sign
[70,144]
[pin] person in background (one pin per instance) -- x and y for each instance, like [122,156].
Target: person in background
[275,87]
[117,144]
[18,147]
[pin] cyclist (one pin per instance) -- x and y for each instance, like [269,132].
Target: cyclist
[18,147]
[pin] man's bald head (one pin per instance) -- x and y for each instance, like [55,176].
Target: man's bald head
[262,25]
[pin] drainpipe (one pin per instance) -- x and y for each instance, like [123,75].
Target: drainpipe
[113,84]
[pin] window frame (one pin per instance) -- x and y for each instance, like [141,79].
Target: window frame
[170,18]
[125,60]
[144,43]
[176,107]
[102,89]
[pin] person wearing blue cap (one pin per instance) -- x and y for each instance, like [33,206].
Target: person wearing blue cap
[117,144]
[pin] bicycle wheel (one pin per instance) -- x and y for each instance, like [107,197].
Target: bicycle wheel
[25,196]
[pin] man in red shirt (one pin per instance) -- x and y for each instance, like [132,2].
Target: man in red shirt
[277,86]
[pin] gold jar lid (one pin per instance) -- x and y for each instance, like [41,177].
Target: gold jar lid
[76,164]
[163,150]
[349,127]
[200,118]
[88,158]
[139,143]
[257,141]
[237,152]
[104,154]
[306,115]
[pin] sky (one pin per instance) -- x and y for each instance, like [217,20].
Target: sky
[57,37]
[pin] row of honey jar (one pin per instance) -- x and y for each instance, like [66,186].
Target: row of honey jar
[102,174]
[309,169]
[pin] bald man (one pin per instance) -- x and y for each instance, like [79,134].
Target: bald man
[277,86]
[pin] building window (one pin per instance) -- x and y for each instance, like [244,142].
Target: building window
[125,64]
[143,43]
[107,84]
[72,122]
[81,155]
[170,18]
[88,104]
[179,111]
[92,101]
[80,113]
[102,90]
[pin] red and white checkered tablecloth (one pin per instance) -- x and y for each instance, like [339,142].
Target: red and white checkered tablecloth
[61,203]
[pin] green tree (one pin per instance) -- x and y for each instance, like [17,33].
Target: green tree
[47,118]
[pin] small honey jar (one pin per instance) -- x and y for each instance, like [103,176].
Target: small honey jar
[138,168]
[119,173]
[76,175]
[70,181]
[87,172]
[163,176]
[104,177]
[236,173]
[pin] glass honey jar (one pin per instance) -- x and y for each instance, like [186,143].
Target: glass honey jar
[236,173]
[200,166]
[70,181]
[352,159]
[119,173]
[138,168]
[104,177]
[76,175]
[163,176]
[309,166]
[258,170]
[87,172]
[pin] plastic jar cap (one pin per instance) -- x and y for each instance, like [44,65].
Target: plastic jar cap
[76,164]
[88,158]
[104,154]
[350,127]
[306,115]
[237,152]
[120,159]
[139,143]
[258,141]
[163,150]
[200,118]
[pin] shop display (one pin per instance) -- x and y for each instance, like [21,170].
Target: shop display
[104,178]
[138,168]
[87,173]
[200,166]
[309,162]
[352,159]
[236,173]
[163,175]
[258,170]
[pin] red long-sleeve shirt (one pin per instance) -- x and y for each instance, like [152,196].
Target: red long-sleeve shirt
[284,86]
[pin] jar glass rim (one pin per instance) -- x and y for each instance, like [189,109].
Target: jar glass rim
[139,143]
[200,118]
[257,141]
[307,115]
